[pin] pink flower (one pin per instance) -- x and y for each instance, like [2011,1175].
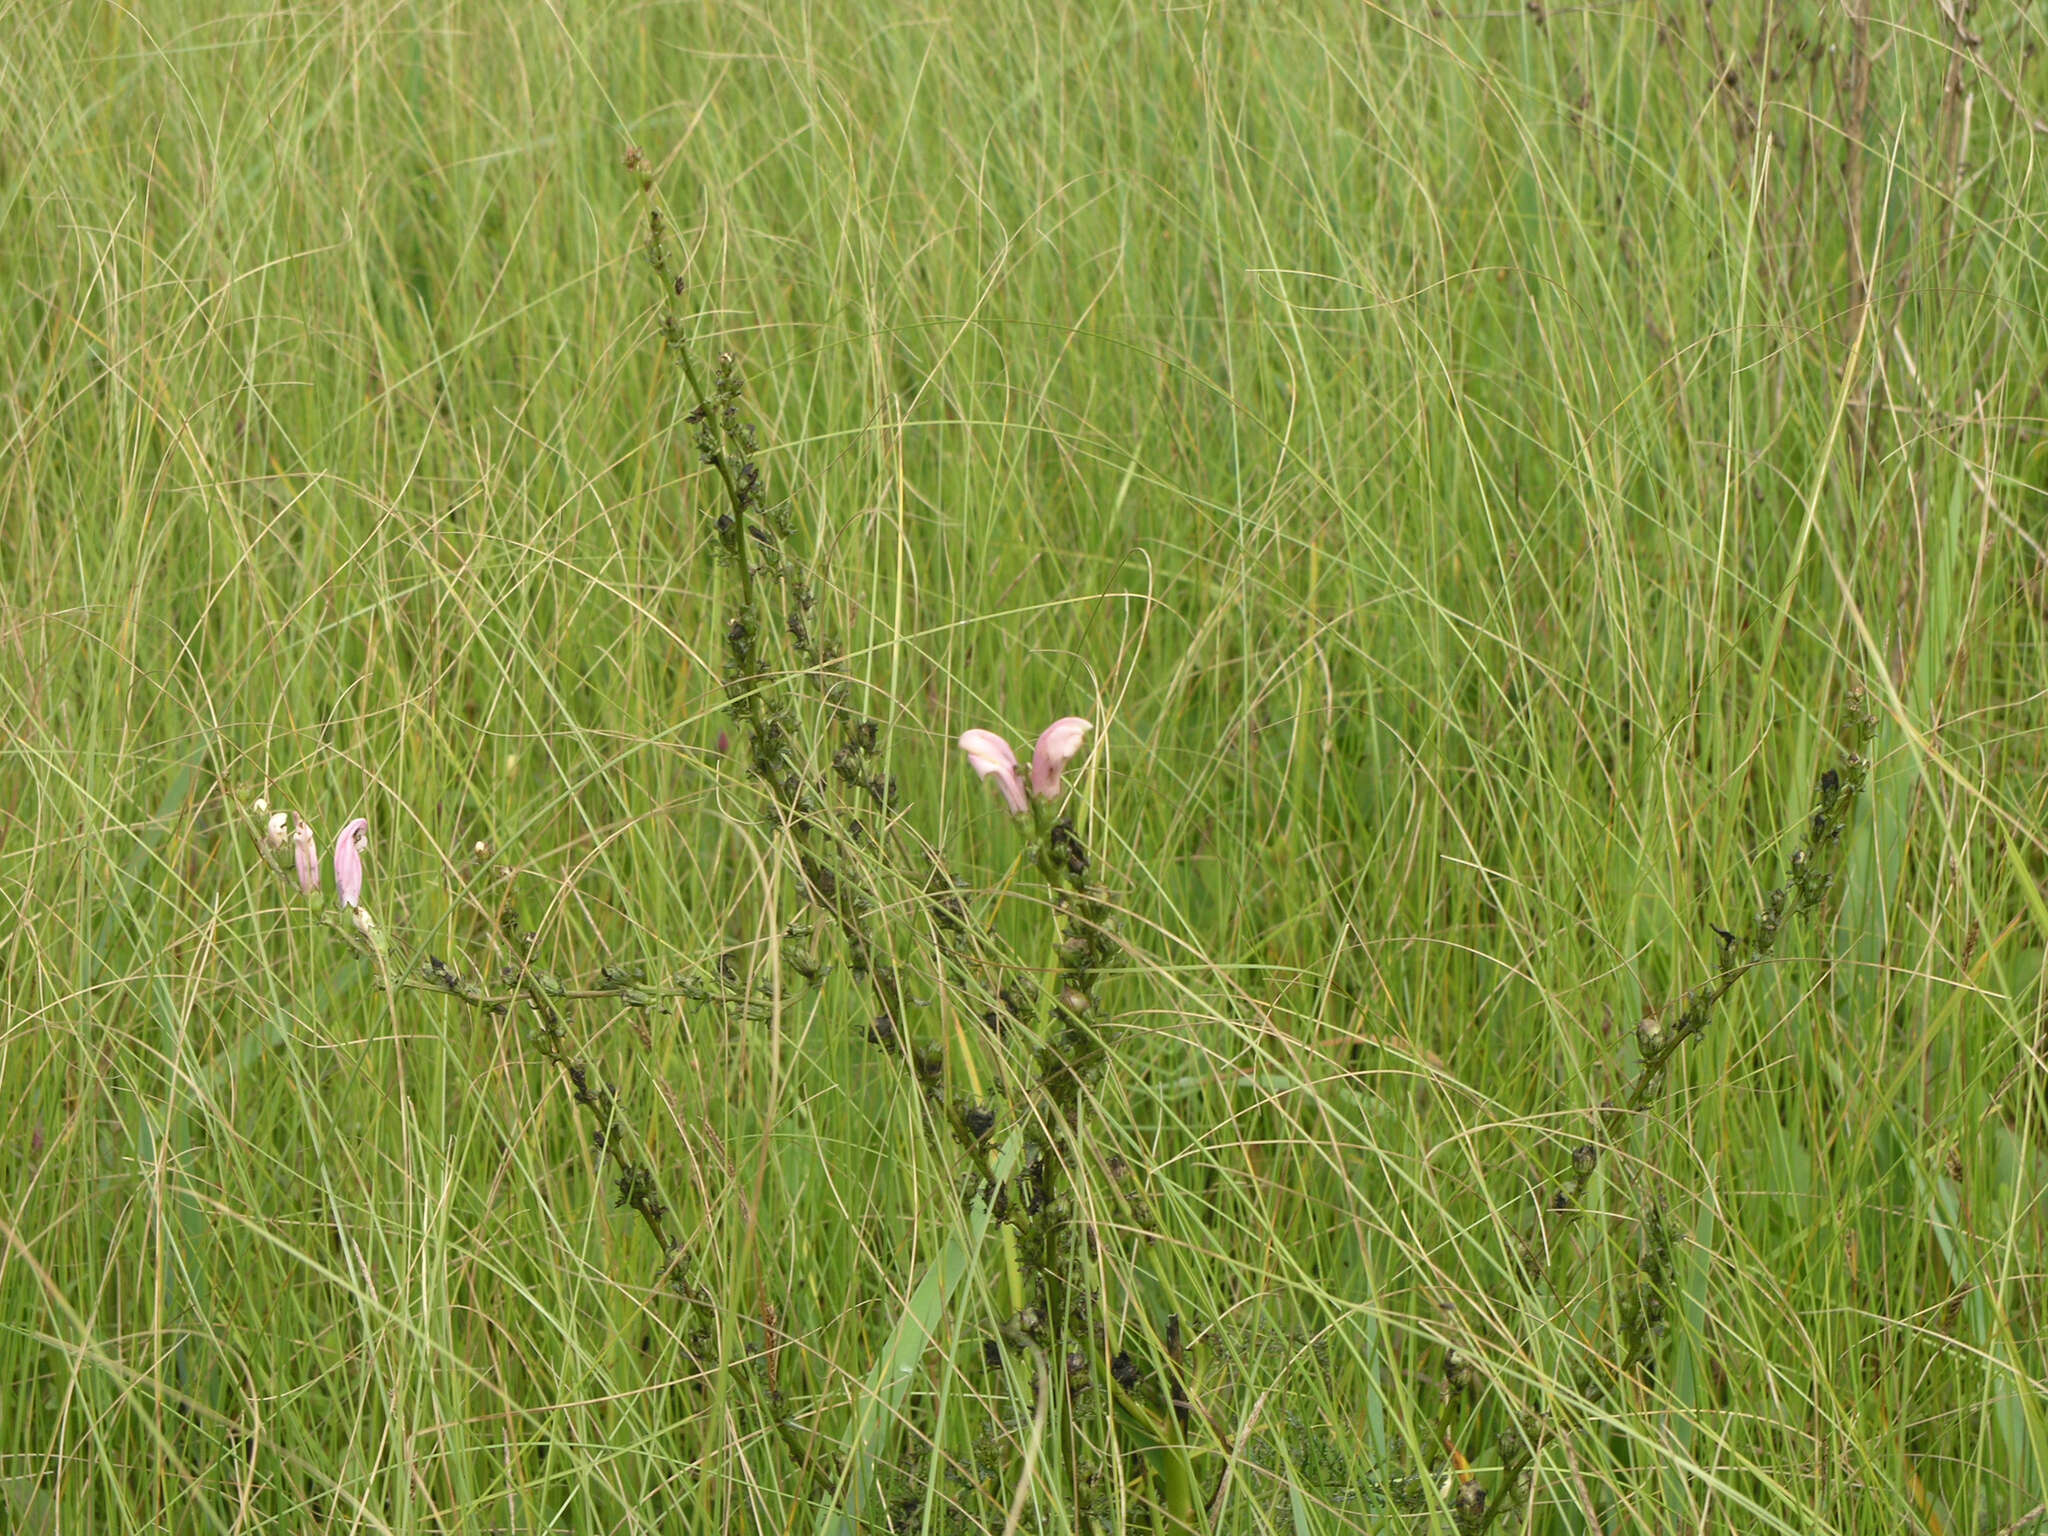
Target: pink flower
[306,854]
[348,861]
[993,759]
[1056,745]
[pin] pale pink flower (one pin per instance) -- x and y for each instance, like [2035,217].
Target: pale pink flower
[348,861]
[993,759]
[1056,746]
[306,854]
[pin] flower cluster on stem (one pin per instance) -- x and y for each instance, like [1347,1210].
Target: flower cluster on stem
[290,846]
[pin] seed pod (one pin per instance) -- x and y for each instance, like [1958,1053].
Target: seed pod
[1468,1509]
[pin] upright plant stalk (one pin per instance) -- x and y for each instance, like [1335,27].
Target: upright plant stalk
[752,539]
[772,641]
[845,836]
[1660,1035]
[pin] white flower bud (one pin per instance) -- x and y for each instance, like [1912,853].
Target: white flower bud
[276,833]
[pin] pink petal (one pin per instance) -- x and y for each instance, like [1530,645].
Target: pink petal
[348,862]
[306,854]
[1056,746]
[993,759]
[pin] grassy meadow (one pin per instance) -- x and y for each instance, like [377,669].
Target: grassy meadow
[1463,462]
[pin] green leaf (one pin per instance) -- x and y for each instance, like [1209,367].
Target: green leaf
[917,1330]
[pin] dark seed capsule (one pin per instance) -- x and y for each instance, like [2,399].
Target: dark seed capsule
[1469,1508]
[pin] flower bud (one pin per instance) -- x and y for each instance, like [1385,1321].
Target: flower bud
[348,862]
[276,833]
[306,855]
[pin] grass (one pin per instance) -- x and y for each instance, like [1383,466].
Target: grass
[1461,462]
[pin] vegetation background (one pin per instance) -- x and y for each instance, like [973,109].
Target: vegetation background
[1460,458]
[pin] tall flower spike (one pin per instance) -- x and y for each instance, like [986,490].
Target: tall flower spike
[1056,746]
[348,862]
[993,759]
[306,854]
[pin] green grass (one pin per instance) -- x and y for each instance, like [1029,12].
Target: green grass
[1447,457]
